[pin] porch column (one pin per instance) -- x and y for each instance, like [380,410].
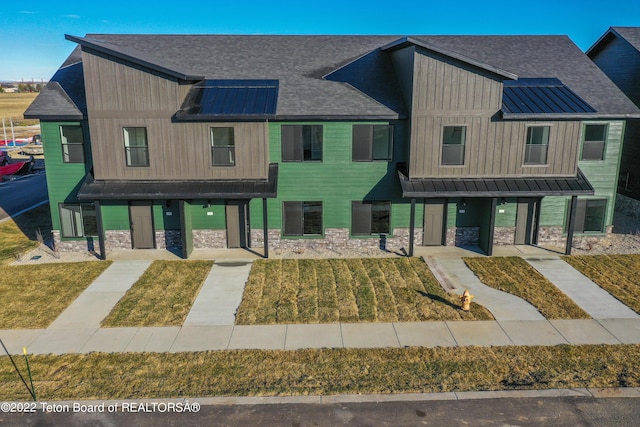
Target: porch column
[536,218]
[412,225]
[265,227]
[100,225]
[571,224]
[492,225]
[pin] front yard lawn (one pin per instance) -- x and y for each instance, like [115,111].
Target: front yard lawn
[32,296]
[321,372]
[347,290]
[515,276]
[616,274]
[162,296]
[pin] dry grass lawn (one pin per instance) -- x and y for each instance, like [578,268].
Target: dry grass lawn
[321,371]
[13,105]
[515,276]
[32,296]
[347,290]
[616,274]
[162,296]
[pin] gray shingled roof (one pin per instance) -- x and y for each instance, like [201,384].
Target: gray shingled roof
[350,76]
[544,56]
[630,34]
[63,98]
[297,62]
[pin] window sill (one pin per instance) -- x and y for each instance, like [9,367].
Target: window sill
[306,236]
[535,165]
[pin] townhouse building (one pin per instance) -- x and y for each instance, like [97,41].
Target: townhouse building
[268,142]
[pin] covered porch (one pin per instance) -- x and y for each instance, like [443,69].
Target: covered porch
[478,199]
[183,197]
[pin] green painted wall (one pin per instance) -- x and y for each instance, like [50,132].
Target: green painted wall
[336,181]
[603,174]
[63,179]
[208,218]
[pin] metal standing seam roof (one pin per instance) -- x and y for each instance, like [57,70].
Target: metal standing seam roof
[494,187]
[541,96]
[93,189]
[230,99]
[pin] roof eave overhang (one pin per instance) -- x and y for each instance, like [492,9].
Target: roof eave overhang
[575,186]
[408,41]
[92,189]
[54,117]
[355,117]
[181,117]
[105,49]
[569,116]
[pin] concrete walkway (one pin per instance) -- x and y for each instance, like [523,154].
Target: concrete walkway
[597,302]
[220,295]
[210,323]
[502,305]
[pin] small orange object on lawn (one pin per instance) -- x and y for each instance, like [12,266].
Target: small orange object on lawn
[465,299]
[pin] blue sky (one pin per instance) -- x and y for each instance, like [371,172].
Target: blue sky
[32,43]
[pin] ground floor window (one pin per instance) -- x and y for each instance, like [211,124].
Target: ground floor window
[302,218]
[78,220]
[590,215]
[369,218]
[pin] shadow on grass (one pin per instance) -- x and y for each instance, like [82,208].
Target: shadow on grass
[438,298]
[20,234]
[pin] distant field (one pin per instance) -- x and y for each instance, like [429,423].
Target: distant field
[12,105]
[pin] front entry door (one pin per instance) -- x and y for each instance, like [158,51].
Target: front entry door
[237,224]
[525,222]
[434,217]
[141,217]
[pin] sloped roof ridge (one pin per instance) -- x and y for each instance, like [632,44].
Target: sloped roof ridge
[416,40]
[629,34]
[135,56]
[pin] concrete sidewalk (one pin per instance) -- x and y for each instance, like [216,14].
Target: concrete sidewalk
[220,295]
[338,335]
[210,323]
[502,305]
[597,302]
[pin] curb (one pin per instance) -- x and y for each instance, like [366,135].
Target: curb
[597,393]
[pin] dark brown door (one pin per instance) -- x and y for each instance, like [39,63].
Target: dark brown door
[142,233]
[525,222]
[237,224]
[434,217]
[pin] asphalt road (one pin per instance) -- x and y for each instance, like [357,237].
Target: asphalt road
[552,411]
[22,193]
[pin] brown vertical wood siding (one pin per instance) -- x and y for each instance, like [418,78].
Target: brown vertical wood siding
[119,95]
[447,94]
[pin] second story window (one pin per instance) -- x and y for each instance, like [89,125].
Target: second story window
[72,144]
[535,152]
[372,143]
[595,137]
[136,148]
[453,142]
[301,143]
[223,148]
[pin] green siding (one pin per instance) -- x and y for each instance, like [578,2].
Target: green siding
[603,174]
[335,181]
[63,179]
[115,216]
[201,220]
